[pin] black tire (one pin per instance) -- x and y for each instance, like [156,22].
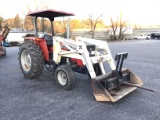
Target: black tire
[31,53]
[4,50]
[64,77]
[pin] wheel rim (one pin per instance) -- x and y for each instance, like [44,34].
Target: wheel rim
[62,78]
[26,60]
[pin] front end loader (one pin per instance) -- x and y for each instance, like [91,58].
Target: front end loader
[3,36]
[88,56]
[83,55]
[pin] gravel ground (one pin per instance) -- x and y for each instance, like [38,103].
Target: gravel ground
[41,99]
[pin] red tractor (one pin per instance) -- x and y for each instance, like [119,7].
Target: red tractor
[37,50]
[3,36]
[82,55]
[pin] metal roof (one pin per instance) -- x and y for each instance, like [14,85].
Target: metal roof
[50,13]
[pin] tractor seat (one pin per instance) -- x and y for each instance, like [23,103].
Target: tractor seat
[48,38]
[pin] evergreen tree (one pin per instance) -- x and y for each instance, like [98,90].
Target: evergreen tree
[17,22]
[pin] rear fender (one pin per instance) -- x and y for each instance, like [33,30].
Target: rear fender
[42,44]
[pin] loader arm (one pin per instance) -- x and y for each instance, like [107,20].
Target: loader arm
[80,52]
[4,33]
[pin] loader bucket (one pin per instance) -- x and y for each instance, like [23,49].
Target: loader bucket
[102,93]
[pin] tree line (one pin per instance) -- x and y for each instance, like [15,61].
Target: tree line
[91,23]
[59,25]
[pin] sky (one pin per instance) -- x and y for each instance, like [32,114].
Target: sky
[144,12]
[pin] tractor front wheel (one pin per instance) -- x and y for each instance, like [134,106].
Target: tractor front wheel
[64,77]
[30,60]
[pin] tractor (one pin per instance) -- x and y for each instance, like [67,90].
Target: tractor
[3,36]
[82,55]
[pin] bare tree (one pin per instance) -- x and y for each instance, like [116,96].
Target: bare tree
[122,26]
[40,5]
[114,26]
[93,23]
[29,7]
[44,6]
[28,19]
[63,25]
[74,24]
[135,26]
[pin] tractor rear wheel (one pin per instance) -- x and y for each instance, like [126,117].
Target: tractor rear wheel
[64,77]
[30,60]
